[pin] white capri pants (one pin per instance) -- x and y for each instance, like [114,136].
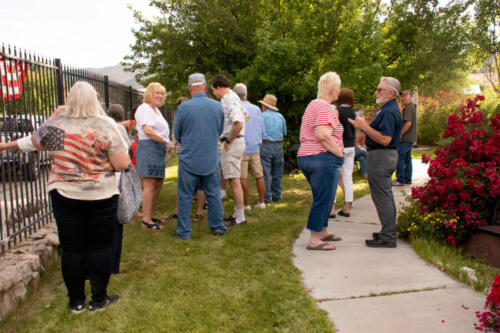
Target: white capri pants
[346,171]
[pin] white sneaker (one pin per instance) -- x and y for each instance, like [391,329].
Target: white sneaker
[248,207]
[223,194]
[239,215]
[260,205]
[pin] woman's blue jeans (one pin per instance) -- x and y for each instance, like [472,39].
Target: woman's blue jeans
[321,171]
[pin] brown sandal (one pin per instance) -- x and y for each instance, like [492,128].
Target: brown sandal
[331,238]
[198,217]
[321,247]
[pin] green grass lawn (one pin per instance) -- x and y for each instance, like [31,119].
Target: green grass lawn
[419,151]
[242,282]
[450,259]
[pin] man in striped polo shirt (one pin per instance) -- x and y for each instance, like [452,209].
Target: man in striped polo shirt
[271,151]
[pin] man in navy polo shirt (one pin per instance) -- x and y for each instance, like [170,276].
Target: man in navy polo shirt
[382,139]
[197,127]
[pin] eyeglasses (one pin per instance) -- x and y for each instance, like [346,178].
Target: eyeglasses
[381,89]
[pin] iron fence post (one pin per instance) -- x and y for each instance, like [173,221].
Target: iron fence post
[59,82]
[130,97]
[106,91]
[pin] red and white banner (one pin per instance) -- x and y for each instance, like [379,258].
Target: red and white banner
[13,73]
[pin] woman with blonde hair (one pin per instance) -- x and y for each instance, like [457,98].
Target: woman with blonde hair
[320,155]
[86,150]
[151,150]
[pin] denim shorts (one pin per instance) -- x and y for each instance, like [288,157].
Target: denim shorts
[150,157]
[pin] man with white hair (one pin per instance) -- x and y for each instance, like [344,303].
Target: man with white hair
[382,139]
[254,132]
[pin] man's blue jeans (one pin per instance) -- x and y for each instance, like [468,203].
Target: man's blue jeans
[271,157]
[186,186]
[321,171]
[361,156]
[404,168]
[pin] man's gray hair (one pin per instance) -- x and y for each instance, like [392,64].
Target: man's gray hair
[241,90]
[392,83]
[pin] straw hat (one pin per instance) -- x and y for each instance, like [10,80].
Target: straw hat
[270,101]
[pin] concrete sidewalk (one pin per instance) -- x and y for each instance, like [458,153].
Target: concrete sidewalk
[370,290]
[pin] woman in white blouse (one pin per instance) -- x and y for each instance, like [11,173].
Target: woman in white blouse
[152,146]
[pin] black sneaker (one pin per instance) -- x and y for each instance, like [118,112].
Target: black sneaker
[233,223]
[379,243]
[78,307]
[99,306]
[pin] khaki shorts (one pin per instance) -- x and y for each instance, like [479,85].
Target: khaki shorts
[252,162]
[230,161]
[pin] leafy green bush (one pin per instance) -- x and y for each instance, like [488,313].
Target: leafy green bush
[433,225]
[433,113]
[431,126]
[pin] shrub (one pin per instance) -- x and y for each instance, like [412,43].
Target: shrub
[432,225]
[432,114]
[464,181]
[489,320]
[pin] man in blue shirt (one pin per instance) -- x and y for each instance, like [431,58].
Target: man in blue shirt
[271,151]
[382,139]
[198,125]
[254,131]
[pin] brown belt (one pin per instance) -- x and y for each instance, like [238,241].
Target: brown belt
[271,142]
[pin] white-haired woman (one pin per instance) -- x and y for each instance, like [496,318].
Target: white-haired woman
[86,150]
[319,157]
[151,150]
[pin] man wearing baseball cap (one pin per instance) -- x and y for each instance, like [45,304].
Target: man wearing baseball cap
[197,127]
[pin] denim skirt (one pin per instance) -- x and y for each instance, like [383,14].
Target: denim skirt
[150,156]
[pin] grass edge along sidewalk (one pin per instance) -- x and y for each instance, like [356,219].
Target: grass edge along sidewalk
[242,282]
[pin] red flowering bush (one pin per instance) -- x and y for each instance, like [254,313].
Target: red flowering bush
[464,176]
[489,321]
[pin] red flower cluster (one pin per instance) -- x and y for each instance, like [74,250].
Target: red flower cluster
[464,175]
[489,320]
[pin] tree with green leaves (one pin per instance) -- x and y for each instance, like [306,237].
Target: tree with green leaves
[485,36]
[426,45]
[282,47]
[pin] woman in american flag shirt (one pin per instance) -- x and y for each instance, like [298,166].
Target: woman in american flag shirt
[86,150]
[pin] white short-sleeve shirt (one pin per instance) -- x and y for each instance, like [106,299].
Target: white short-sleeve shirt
[145,115]
[233,111]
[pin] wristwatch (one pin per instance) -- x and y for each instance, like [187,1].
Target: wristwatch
[228,142]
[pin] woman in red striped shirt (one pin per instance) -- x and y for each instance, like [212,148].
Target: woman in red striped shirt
[319,157]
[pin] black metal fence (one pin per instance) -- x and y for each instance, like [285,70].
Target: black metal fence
[31,88]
